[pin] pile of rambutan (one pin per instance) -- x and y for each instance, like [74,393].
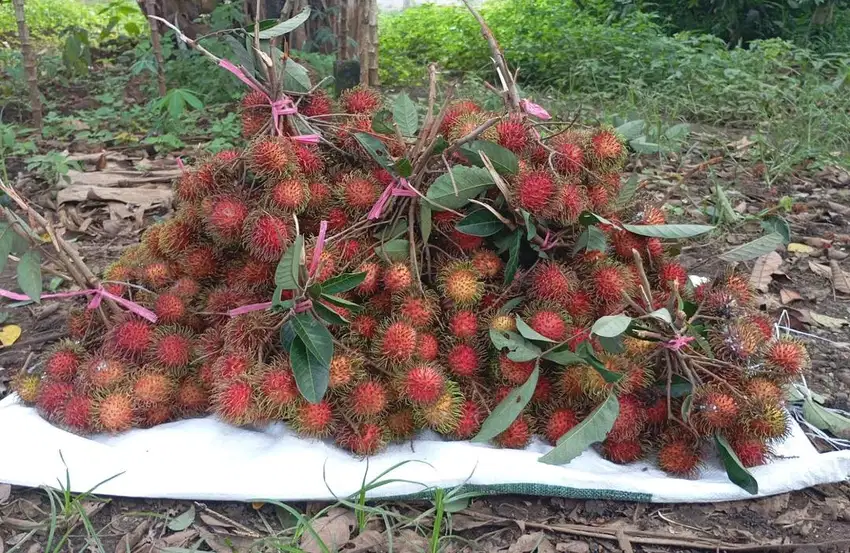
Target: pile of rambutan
[438,308]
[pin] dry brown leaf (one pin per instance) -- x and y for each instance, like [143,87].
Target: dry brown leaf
[796,247]
[838,208]
[135,196]
[527,543]
[820,269]
[840,280]
[334,529]
[129,541]
[763,268]
[817,242]
[837,255]
[178,539]
[408,541]
[827,321]
[368,540]
[788,296]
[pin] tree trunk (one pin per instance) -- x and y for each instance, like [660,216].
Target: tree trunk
[369,43]
[29,62]
[150,6]
[342,31]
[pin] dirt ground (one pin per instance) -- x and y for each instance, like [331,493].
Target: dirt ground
[810,520]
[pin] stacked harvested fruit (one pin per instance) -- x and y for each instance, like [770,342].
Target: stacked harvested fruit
[413,347]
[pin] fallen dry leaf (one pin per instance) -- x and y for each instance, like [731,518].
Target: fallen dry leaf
[527,543]
[796,247]
[368,540]
[9,334]
[820,269]
[837,255]
[135,196]
[827,321]
[763,270]
[840,280]
[788,296]
[816,242]
[334,529]
[129,541]
[409,541]
[5,492]
[792,516]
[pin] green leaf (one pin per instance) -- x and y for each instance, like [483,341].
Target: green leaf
[611,325]
[531,230]
[287,274]
[631,129]
[395,250]
[285,26]
[528,332]
[29,275]
[662,315]
[315,290]
[596,241]
[739,475]
[612,345]
[504,161]
[311,373]
[669,231]
[519,349]
[779,225]
[405,116]
[336,300]
[183,520]
[641,146]
[511,304]
[513,259]
[425,221]
[296,77]
[192,100]
[287,336]
[588,218]
[342,283]
[591,430]
[480,222]
[825,419]
[756,248]
[563,356]
[376,149]
[382,122]
[7,242]
[508,409]
[724,212]
[403,167]
[679,386]
[677,133]
[471,181]
[397,229]
[627,192]
[329,315]
[315,336]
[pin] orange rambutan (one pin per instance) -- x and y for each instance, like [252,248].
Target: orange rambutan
[231,366]
[606,151]
[397,277]
[713,409]
[272,156]
[155,275]
[153,387]
[400,424]
[199,262]
[460,283]
[631,420]
[80,323]
[289,195]
[192,398]
[763,389]
[114,412]
[345,370]
[314,419]
[357,192]
[517,435]
[679,457]
[454,111]
[367,399]
[395,343]
[558,423]
[787,356]
[737,341]
[487,262]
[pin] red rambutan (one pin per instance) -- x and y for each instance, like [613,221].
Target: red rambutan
[558,423]
[367,399]
[360,100]
[515,372]
[226,220]
[569,148]
[396,343]
[401,424]
[192,398]
[78,413]
[517,435]
[234,402]
[114,412]
[397,277]
[487,263]
[550,324]
[454,111]
[631,420]
[469,423]
[427,347]
[534,191]
[172,347]
[422,384]
[751,453]
[463,360]
[289,195]
[670,273]
[52,397]
[272,156]
[365,439]
[606,150]
[169,308]
[231,366]
[64,361]
[104,372]
[314,419]
[608,282]
[712,410]
[787,356]
[512,134]
[266,236]
[131,337]
[309,160]
[358,192]
[679,457]
[200,262]
[463,325]
[317,103]
[622,452]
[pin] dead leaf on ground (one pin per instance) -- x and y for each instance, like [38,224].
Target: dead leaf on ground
[179,539]
[838,208]
[820,269]
[840,279]
[409,541]
[787,296]
[134,196]
[796,247]
[129,541]
[792,516]
[827,321]
[333,528]
[117,178]
[5,493]
[816,242]
[527,543]
[763,270]
[837,255]
[368,540]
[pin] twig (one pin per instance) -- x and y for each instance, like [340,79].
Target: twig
[511,94]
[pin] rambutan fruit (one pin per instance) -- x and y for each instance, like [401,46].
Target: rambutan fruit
[569,148]
[372,280]
[250,274]
[550,281]
[653,248]
[765,420]
[382,176]
[52,397]
[192,398]
[26,386]
[153,387]
[535,192]
[720,303]
[220,300]
[503,323]
[80,323]
[254,99]
[367,399]
[114,412]
[570,203]
[231,366]
[199,262]
[548,322]
[787,356]
[463,325]
[579,306]
[421,384]
[635,375]
[400,424]
[739,286]
[656,413]
[512,134]
[272,156]
[569,383]
[169,308]
[345,370]
[327,266]
[131,337]
[631,420]
[63,361]
[487,262]
[234,402]
[427,347]
[171,347]
[289,195]
[251,331]
[737,341]
[397,277]
[350,249]
[226,157]
[468,122]
[253,123]
[78,413]
[751,452]
[622,452]
[464,242]
[115,276]
[367,438]
[713,409]
[103,372]
[651,215]
[470,420]
[155,275]
[226,220]
[277,391]
[608,282]
[360,100]
[154,415]
[454,111]
[177,236]
[418,310]
[317,103]
[670,273]
[357,192]
[188,187]
[314,419]
[363,326]
[310,161]
[515,372]
[396,343]
[463,360]
[319,197]
[623,242]
[150,245]
[763,322]
[679,457]
[443,414]
[517,435]
[381,303]
[460,283]
[605,150]
[558,423]
[763,389]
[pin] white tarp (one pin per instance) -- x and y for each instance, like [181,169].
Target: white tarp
[205,459]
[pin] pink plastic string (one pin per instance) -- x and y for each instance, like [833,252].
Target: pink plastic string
[303,305]
[307,138]
[546,244]
[181,165]
[249,308]
[678,342]
[320,246]
[535,110]
[399,187]
[281,107]
[98,295]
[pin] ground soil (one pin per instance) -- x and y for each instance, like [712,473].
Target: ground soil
[809,520]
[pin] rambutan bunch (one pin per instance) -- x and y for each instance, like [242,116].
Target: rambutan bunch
[454,111]
[605,150]
[318,103]
[570,149]
[357,192]
[536,191]
[225,221]
[276,391]
[272,156]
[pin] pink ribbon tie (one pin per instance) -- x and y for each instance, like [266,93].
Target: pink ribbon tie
[399,188]
[320,246]
[678,342]
[98,295]
[535,110]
